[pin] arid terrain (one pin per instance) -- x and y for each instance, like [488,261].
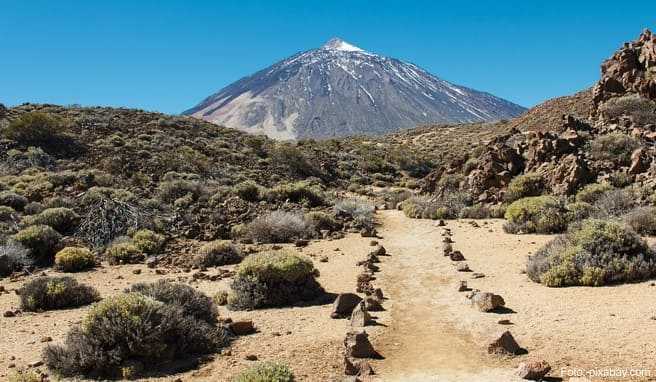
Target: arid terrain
[141,246]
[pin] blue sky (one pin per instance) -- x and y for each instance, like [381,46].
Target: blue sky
[167,55]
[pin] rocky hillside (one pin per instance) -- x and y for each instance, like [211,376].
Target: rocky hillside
[603,135]
[341,90]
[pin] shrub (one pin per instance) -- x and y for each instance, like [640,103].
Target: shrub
[279,227]
[126,335]
[248,191]
[26,376]
[523,186]
[498,211]
[614,147]
[266,372]
[192,302]
[394,198]
[74,259]
[107,218]
[148,241]
[123,253]
[274,279]
[536,214]
[477,211]
[170,191]
[641,110]
[593,253]
[578,211]
[33,208]
[614,203]
[293,159]
[48,293]
[13,257]
[61,219]
[592,192]
[13,200]
[322,221]
[423,207]
[299,192]
[642,220]
[216,253]
[34,128]
[41,240]
[7,213]
[360,213]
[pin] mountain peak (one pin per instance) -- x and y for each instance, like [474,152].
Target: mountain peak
[337,43]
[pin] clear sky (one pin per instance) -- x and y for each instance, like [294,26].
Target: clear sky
[167,55]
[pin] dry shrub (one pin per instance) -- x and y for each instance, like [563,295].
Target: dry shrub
[279,227]
[130,335]
[62,219]
[48,293]
[41,240]
[266,372]
[613,147]
[216,253]
[642,220]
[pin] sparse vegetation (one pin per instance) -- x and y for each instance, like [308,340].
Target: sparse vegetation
[274,279]
[266,372]
[148,242]
[279,227]
[299,192]
[216,253]
[592,192]
[614,147]
[13,200]
[41,240]
[35,128]
[142,332]
[642,220]
[123,253]
[593,253]
[74,259]
[524,186]
[13,257]
[62,219]
[536,214]
[48,293]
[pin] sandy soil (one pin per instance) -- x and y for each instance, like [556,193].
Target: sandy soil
[428,332]
[434,334]
[304,337]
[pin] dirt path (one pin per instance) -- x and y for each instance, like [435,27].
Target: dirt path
[432,333]
[420,343]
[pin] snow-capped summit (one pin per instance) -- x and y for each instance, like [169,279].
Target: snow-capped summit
[340,89]
[339,44]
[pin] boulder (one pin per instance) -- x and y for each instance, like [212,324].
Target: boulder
[487,302]
[357,345]
[357,367]
[504,344]
[373,304]
[533,370]
[463,267]
[242,328]
[462,286]
[378,250]
[447,248]
[344,304]
[456,256]
[360,317]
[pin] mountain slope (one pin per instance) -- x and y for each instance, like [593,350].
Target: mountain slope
[340,90]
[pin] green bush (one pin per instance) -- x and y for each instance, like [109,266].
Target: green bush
[592,192]
[523,186]
[477,211]
[423,207]
[13,200]
[614,147]
[48,293]
[148,242]
[266,372]
[123,253]
[34,128]
[248,191]
[593,253]
[25,376]
[61,219]
[170,191]
[578,211]
[41,240]
[273,279]
[128,335]
[642,220]
[74,259]
[216,253]
[299,192]
[536,214]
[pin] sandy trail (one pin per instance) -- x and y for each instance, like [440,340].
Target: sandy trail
[433,334]
[420,343]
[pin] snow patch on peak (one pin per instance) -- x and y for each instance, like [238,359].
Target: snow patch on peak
[341,45]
